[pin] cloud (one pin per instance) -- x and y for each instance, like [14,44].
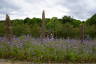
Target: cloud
[80,9]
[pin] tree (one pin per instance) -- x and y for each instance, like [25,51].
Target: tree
[91,20]
[66,19]
[27,20]
[75,23]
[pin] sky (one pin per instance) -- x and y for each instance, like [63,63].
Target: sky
[20,9]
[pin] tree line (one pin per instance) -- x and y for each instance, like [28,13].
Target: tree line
[66,27]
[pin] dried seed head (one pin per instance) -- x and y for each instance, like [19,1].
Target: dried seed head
[82,33]
[8,28]
[43,28]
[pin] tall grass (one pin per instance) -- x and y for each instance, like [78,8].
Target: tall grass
[57,51]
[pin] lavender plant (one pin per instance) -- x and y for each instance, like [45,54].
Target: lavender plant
[51,51]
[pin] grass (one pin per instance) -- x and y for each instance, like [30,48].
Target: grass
[56,52]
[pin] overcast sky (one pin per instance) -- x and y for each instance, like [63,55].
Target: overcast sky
[79,9]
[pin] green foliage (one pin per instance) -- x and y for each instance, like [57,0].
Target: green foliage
[66,19]
[71,56]
[61,28]
[90,30]
[1,29]
[92,20]
[44,53]
[18,30]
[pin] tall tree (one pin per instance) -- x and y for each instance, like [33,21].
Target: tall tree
[92,20]
[66,19]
